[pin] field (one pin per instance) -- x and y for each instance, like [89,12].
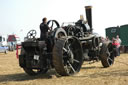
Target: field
[90,74]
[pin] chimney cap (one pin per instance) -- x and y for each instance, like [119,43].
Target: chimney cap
[88,7]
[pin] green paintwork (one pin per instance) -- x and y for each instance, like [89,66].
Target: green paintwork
[122,31]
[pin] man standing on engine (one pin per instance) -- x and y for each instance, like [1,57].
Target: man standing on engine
[44,29]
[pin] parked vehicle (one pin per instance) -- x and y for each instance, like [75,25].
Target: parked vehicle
[3,44]
[13,40]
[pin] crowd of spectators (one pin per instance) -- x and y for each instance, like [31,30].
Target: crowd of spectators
[115,41]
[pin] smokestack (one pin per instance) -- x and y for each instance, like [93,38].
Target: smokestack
[88,10]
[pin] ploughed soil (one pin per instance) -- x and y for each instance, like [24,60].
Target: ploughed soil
[90,74]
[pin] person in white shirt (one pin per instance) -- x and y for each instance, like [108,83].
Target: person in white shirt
[119,44]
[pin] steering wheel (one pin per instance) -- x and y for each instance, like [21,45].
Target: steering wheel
[31,34]
[53,24]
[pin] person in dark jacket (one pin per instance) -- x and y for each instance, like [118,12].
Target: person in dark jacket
[44,29]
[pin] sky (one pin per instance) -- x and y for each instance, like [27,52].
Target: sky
[20,16]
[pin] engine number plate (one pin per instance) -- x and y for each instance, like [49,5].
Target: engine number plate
[36,57]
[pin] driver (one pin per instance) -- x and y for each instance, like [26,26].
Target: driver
[82,24]
[44,29]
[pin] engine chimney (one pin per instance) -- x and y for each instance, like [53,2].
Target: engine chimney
[88,10]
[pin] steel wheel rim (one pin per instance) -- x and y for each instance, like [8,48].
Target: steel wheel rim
[70,57]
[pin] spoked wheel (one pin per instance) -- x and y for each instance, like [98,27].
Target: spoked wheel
[67,56]
[33,72]
[107,54]
[31,34]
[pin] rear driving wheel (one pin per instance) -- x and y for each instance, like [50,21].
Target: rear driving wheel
[67,56]
[107,54]
[29,71]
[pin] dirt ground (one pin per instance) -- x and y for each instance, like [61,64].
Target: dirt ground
[90,74]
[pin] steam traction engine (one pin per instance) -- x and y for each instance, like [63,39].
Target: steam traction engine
[65,49]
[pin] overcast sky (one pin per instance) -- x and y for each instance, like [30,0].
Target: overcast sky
[20,16]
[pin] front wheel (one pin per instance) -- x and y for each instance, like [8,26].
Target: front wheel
[107,54]
[5,51]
